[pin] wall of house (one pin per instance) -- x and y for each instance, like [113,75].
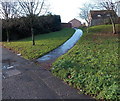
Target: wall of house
[75,23]
[66,25]
[119,20]
[101,21]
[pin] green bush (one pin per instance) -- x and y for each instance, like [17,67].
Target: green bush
[20,27]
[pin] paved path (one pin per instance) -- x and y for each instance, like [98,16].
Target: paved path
[50,57]
[29,81]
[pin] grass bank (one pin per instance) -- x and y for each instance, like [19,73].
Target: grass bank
[92,65]
[104,29]
[44,43]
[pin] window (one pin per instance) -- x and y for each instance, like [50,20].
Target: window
[99,15]
[108,14]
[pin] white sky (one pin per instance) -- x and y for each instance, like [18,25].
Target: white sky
[67,9]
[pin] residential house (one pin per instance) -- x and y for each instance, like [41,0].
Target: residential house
[75,23]
[101,17]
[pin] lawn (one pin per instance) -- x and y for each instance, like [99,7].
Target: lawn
[104,29]
[92,65]
[44,43]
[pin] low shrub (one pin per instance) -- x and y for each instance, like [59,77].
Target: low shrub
[19,28]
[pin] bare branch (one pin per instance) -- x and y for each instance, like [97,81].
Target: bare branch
[36,6]
[23,6]
[84,12]
[41,7]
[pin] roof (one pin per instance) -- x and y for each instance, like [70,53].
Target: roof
[73,20]
[101,13]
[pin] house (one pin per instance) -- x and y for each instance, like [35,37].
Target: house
[75,23]
[101,17]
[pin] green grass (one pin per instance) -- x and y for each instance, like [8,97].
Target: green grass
[44,43]
[104,29]
[92,65]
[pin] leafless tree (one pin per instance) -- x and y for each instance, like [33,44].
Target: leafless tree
[32,8]
[109,5]
[7,11]
[84,12]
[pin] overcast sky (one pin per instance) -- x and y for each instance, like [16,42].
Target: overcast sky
[67,9]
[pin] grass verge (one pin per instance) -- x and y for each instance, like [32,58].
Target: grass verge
[92,65]
[44,43]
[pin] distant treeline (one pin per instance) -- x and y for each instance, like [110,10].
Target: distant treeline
[19,28]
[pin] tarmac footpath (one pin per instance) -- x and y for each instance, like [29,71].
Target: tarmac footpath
[23,79]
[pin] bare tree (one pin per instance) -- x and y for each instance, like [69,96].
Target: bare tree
[110,6]
[84,13]
[32,8]
[8,11]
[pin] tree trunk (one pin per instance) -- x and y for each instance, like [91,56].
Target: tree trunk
[88,25]
[8,39]
[114,28]
[113,25]
[33,39]
[88,28]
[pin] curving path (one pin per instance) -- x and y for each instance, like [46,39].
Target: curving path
[51,56]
